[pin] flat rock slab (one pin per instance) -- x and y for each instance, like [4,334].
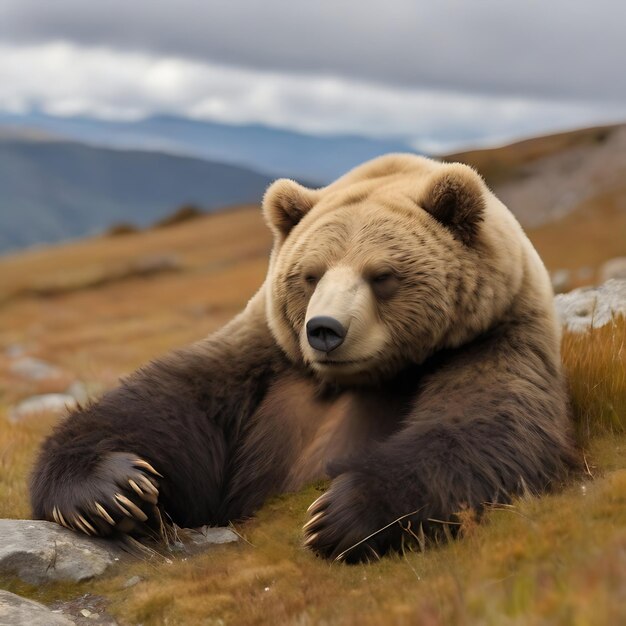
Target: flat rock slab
[18,611]
[34,369]
[592,307]
[48,402]
[205,536]
[38,551]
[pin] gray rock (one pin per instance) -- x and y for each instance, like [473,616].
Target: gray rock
[44,403]
[195,540]
[592,307]
[18,611]
[614,268]
[132,581]
[206,535]
[34,369]
[14,350]
[38,551]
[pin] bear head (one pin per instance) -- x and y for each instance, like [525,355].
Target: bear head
[401,257]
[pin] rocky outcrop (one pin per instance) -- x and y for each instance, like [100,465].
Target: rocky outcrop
[592,307]
[206,536]
[63,396]
[38,551]
[60,403]
[34,369]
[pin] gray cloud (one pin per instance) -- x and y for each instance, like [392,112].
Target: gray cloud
[69,79]
[441,74]
[557,49]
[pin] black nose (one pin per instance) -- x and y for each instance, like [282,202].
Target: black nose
[325,333]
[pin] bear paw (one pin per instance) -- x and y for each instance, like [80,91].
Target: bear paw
[120,496]
[347,524]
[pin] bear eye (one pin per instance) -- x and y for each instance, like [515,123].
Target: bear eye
[310,279]
[383,277]
[384,284]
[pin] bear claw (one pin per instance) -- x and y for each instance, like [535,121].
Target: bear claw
[343,526]
[133,509]
[84,525]
[145,465]
[149,492]
[310,540]
[317,504]
[58,517]
[313,521]
[103,513]
[148,485]
[119,497]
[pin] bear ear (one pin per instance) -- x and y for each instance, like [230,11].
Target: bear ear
[455,197]
[285,203]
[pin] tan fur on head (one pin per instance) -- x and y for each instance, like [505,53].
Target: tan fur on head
[452,259]
[456,198]
[344,294]
[285,203]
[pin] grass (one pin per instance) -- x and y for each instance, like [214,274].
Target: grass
[557,559]
[595,363]
[586,238]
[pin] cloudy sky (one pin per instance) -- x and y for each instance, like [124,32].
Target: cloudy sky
[439,72]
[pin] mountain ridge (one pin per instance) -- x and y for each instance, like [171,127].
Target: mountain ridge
[267,149]
[53,188]
[56,190]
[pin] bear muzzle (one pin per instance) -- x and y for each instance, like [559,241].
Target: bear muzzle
[325,333]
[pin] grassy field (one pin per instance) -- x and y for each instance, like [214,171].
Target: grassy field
[558,559]
[586,238]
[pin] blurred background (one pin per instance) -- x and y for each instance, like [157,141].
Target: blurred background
[114,115]
[136,141]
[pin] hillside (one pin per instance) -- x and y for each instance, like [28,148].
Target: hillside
[546,178]
[557,559]
[280,152]
[55,190]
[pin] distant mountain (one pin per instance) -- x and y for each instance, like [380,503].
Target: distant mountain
[55,190]
[317,158]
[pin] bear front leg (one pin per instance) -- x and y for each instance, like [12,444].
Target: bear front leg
[140,456]
[120,493]
[490,422]
[157,448]
[414,485]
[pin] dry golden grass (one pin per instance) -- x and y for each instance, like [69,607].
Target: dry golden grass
[558,559]
[591,235]
[596,367]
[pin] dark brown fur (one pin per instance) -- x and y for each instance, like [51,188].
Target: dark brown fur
[219,427]
[442,436]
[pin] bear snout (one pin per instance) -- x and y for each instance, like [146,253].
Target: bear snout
[325,333]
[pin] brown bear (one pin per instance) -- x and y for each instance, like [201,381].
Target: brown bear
[404,344]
